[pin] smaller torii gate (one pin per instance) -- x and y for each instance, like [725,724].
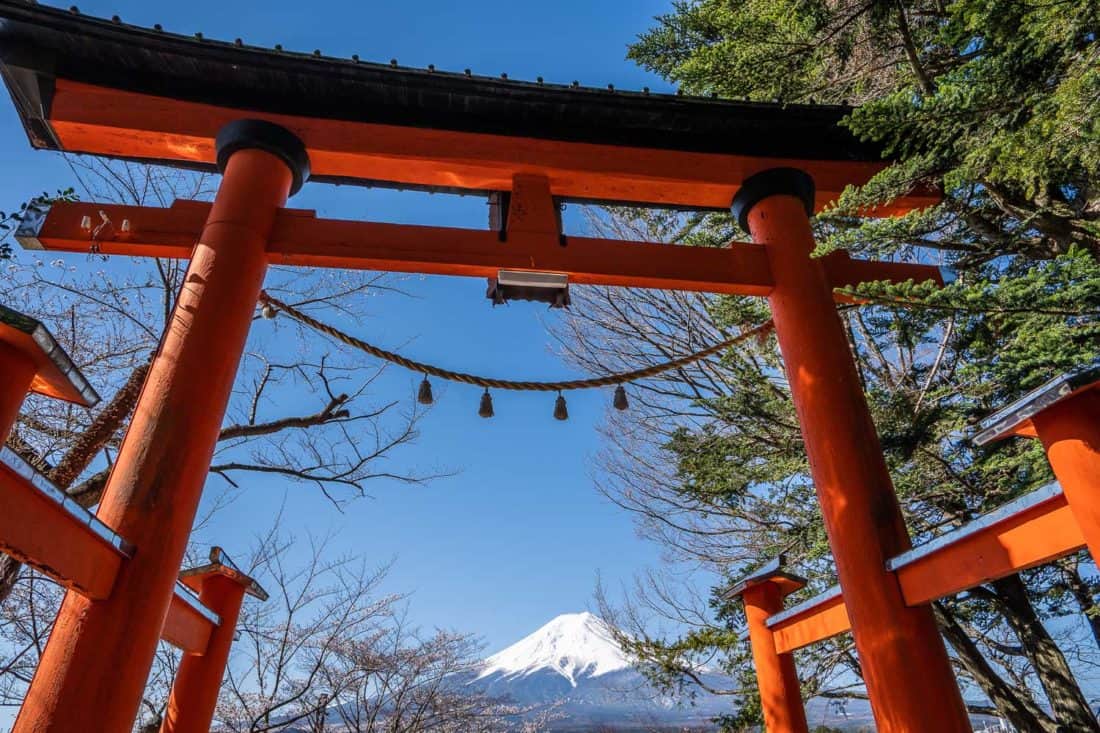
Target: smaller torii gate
[221,586]
[41,526]
[1037,528]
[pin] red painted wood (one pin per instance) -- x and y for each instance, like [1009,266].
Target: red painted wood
[99,654]
[1070,432]
[1030,538]
[902,656]
[198,681]
[780,694]
[111,122]
[38,531]
[187,629]
[17,373]
[299,238]
[811,626]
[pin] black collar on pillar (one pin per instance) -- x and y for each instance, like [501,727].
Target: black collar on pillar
[772,182]
[269,137]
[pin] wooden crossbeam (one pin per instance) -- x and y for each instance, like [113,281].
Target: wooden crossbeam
[1031,531]
[300,238]
[46,530]
[188,624]
[809,622]
[1025,533]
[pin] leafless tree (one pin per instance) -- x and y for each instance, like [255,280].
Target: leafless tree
[329,651]
[301,410]
[277,676]
[110,316]
[404,681]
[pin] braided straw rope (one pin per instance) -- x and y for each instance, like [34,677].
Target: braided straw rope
[490,383]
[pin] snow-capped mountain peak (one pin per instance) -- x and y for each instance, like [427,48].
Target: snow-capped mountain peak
[574,645]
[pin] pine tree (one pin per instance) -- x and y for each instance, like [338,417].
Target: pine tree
[995,103]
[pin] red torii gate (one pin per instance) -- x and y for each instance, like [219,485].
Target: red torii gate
[267,117]
[1041,526]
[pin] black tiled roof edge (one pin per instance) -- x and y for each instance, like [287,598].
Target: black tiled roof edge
[1023,409]
[39,43]
[771,569]
[468,74]
[49,346]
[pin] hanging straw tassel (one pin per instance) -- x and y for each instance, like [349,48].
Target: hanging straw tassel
[424,396]
[268,311]
[486,408]
[561,412]
[620,402]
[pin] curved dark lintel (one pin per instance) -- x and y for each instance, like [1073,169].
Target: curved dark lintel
[39,44]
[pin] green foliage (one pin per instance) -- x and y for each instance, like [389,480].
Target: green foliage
[993,102]
[996,102]
[790,50]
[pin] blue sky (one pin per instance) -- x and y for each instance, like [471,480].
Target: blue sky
[519,533]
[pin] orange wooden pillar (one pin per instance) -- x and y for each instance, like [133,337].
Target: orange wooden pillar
[221,587]
[1070,432]
[780,695]
[1064,414]
[904,662]
[17,370]
[94,668]
[32,361]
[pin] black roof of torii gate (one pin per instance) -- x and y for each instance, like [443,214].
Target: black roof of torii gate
[53,42]
[41,45]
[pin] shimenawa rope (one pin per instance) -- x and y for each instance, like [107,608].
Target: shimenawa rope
[512,384]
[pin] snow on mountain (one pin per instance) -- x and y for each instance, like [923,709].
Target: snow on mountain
[574,645]
[573,670]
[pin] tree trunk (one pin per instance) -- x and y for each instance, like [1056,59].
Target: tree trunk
[1069,704]
[1082,593]
[104,427]
[1019,710]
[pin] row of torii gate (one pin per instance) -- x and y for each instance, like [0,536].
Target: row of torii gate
[268,119]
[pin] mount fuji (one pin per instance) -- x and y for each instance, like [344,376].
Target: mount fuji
[574,667]
[573,645]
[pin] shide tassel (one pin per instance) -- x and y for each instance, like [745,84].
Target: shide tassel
[424,396]
[486,408]
[620,402]
[561,412]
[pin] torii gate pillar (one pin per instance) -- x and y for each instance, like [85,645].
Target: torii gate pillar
[776,677]
[904,662]
[222,588]
[95,665]
[780,696]
[1064,414]
[17,369]
[1070,432]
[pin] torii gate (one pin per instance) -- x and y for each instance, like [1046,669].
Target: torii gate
[266,118]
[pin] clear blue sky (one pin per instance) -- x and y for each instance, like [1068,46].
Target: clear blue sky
[517,536]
